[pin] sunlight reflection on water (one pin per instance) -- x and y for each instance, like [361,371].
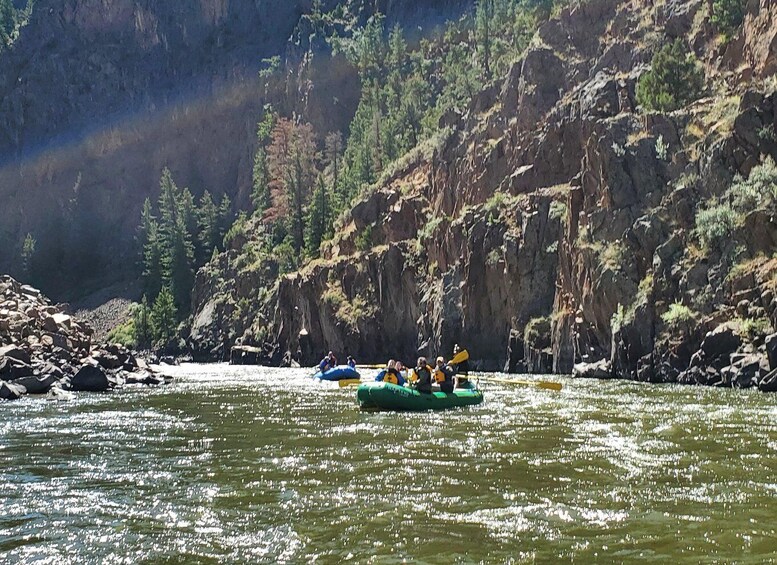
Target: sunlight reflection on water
[248,464]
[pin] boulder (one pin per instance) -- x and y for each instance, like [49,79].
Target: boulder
[15,352]
[10,391]
[771,350]
[92,379]
[769,382]
[11,369]
[721,341]
[599,370]
[107,360]
[36,385]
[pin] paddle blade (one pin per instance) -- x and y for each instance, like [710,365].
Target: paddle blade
[460,357]
[348,382]
[549,385]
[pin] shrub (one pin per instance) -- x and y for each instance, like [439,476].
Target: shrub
[662,148]
[673,81]
[727,16]
[754,327]
[760,187]
[537,333]
[679,316]
[715,224]
[494,205]
[558,211]
[124,334]
[363,240]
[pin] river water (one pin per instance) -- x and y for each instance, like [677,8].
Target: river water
[249,464]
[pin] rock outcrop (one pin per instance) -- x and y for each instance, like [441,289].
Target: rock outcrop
[553,223]
[42,347]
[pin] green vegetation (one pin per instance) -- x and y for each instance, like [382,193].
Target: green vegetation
[164,316]
[752,328]
[715,224]
[124,334]
[364,239]
[679,317]
[727,16]
[181,239]
[537,333]
[147,326]
[674,80]
[11,20]
[28,251]
[716,221]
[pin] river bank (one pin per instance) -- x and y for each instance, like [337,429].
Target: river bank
[45,350]
[265,465]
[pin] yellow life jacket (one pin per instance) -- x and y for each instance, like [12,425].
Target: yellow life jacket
[439,376]
[390,378]
[411,376]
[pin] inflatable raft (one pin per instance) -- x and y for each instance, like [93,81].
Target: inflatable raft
[339,373]
[386,396]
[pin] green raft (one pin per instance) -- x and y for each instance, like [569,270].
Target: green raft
[387,396]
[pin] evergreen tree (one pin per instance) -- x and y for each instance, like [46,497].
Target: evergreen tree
[7,22]
[292,156]
[164,316]
[226,218]
[28,251]
[260,195]
[209,221]
[318,221]
[484,15]
[153,251]
[673,80]
[142,325]
[176,217]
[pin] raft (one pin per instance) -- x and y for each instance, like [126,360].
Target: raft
[387,396]
[339,373]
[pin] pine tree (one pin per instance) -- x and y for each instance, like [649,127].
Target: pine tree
[292,156]
[142,325]
[164,316]
[260,195]
[7,22]
[318,219]
[484,15]
[176,214]
[28,251]
[208,220]
[152,251]
[226,218]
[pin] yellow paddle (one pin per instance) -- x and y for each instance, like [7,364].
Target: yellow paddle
[460,357]
[539,384]
[348,382]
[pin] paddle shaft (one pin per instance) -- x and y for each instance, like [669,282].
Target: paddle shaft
[539,384]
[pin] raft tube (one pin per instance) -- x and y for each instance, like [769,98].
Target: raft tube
[339,373]
[387,396]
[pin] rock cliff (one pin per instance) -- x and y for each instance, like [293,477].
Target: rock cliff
[555,223]
[97,97]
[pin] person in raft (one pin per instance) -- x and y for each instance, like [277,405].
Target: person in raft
[328,362]
[443,375]
[423,371]
[391,374]
[351,362]
[462,370]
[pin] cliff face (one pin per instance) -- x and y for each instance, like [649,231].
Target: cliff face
[553,223]
[97,97]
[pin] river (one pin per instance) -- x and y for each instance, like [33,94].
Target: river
[249,464]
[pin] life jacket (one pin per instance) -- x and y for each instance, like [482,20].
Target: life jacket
[391,377]
[441,375]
